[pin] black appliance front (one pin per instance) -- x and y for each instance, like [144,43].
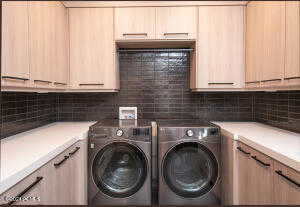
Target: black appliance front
[119,169]
[190,170]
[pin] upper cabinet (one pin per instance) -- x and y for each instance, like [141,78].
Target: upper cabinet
[292,61]
[92,50]
[135,23]
[272,44]
[15,50]
[176,22]
[35,45]
[41,43]
[220,48]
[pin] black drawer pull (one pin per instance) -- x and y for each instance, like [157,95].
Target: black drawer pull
[220,83]
[42,81]
[279,172]
[58,83]
[72,153]
[298,77]
[38,179]
[61,162]
[91,84]
[128,34]
[243,151]
[252,82]
[271,80]
[15,78]
[261,162]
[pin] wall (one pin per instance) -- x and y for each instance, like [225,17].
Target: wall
[23,111]
[157,83]
[279,109]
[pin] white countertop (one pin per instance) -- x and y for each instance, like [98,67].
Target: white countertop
[24,153]
[279,144]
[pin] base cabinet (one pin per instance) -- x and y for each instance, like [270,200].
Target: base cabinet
[62,181]
[250,177]
[286,185]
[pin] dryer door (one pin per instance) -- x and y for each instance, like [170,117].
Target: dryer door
[190,169]
[119,169]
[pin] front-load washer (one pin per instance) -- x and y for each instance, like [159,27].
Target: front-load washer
[189,163]
[119,163]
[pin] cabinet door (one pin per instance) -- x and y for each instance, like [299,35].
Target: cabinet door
[244,183]
[286,185]
[272,58]
[176,22]
[78,165]
[41,42]
[254,45]
[32,184]
[92,49]
[60,71]
[221,47]
[135,23]
[227,176]
[260,188]
[56,190]
[15,54]
[292,61]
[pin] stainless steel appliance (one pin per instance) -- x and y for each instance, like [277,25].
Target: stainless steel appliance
[189,163]
[119,163]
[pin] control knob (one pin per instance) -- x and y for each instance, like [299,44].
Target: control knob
[189,133]
[120,132]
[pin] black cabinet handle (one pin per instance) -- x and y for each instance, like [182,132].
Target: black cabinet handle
[58,83]
[72,153]
[277,79]
[220,83]
[61,162]
[279,172]
[42,81]
[243,151]
[252,82]
[261,162]
[38,179]
[15,78]
[91,84]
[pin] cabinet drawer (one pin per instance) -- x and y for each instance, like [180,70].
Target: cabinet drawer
[26,192]
[286,185]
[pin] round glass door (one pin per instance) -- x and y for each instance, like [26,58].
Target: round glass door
[190,170]
[119,169]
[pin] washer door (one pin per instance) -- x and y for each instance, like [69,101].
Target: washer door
[190,169]
[120,169]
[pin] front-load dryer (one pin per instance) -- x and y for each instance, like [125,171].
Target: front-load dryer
[188,161]
[119,163]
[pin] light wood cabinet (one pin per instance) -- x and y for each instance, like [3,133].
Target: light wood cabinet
[265,43]
[286,185]
[260,188]
[60,71]
[15,51]
[292,57]
[92,49]
[176,22]
[244,173]
[41,42]
[254,45]
[220,48]
[30,187]
[227,168]
[135,23]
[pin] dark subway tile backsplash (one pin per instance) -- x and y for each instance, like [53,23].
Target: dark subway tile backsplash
[23,111]
[158,84]
[279,109]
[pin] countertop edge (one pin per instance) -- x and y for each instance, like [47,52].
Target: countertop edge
[12,180]
[290,162]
